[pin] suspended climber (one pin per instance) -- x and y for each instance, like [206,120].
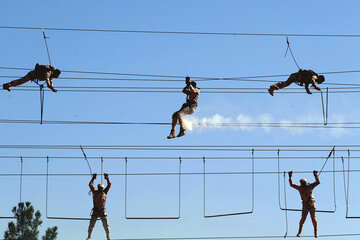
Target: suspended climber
[99,211]
[192,96]
[308,202]
[301,78]
[40,73]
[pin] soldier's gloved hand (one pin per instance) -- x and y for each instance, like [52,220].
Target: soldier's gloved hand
[290,174]
[54,90]
[315,173]
[106,176]
[308,91]
[188,81]
[317,88]
[94,176]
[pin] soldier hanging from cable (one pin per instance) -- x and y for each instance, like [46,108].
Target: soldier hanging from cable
[40,73]
[192,96]
[99,211]
[308,202]
[302,77]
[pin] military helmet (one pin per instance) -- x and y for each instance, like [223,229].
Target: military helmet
[303,181]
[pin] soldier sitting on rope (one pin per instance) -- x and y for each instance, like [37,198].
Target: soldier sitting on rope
[192,96]
[40,73]
[308,202]
[99,211]
[300,78]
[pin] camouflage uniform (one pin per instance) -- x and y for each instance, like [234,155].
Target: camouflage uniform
[308,202]
[302,77]
[99,210]
[40,73]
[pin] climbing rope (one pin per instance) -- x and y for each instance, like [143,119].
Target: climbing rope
[289,49]
[325,112]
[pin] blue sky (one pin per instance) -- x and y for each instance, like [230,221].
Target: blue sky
[209,56]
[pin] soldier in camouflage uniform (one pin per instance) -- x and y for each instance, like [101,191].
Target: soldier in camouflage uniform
[308,202]
[99,211]
[192,96]
[40,73]
[302,77]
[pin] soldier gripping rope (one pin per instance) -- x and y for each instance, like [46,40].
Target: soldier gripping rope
[40,73]
[301,78]
[192,96]
[99,211]
[308,202]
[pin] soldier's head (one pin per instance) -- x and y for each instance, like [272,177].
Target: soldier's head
[193,83]
[100,187]
[56,73]
[320,79]
[303,182]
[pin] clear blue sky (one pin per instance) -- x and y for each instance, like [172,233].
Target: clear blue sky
[212,56]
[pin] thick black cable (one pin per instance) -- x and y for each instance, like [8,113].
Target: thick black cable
[232,34]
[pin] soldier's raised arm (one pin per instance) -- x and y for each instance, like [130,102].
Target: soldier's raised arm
[291,182]
[91,183]
[317,182]
[106,176]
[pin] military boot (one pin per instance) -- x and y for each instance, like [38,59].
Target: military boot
[272,89]
[171,135]
[181,133]
[6,86]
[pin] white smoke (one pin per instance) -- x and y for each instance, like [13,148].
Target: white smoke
[245,123]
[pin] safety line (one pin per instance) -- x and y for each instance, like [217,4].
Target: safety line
[292,55]
[231,34]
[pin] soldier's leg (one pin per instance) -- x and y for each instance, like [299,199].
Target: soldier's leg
[185,111]
[314,221]
[106,226]
[302,221]
[280,85]
[91,225]
[22,80]
[173,125]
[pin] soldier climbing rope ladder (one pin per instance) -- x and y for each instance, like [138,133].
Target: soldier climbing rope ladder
[40,73]
[99,210]
[301,78]
[192,96]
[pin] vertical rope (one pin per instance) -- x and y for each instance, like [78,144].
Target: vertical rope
[278,172]
[126,175]
[102,169]
[180,162]
[327,104]
[21,176]
[47,48]
[346,199]
[253,179]
[42,99]
[286,212]
[204,188]
[289,48]
[47,185]
[334,180]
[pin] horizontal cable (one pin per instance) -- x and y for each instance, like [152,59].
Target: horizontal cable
[242,148]
[170,158]
[181,32]
[355,125]
[166,173]
[197,78]
[177,91]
